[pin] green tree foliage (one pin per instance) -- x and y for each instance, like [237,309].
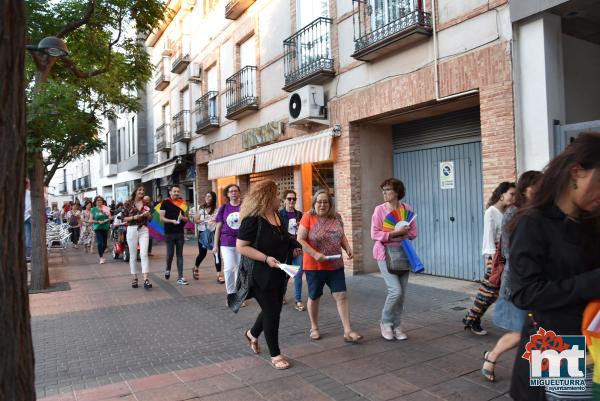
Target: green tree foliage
[106,66]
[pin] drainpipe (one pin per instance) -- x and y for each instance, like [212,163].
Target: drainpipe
[436,61]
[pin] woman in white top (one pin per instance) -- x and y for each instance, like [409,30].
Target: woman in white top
[205,219]
[502,197]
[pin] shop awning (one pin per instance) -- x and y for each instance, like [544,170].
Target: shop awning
[305,149]
[238,164]
[159,171]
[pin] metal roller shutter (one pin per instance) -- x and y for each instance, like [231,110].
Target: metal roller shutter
[449,129]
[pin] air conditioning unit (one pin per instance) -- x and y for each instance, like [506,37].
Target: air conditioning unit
[195,72]
[306,104]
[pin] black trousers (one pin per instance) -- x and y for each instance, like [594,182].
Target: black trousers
[202,252]
[75,232]
[270,301]
[175,245]
[101,241]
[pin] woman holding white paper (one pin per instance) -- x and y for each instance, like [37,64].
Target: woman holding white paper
[391,315]
[321,234]
[263,238]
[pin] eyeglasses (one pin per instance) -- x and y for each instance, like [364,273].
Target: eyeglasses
[322,202]
[291,199]
[231,191]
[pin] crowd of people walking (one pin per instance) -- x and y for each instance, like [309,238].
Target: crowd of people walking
[540,247]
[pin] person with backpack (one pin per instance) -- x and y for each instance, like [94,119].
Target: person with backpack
[205,219]
[290,218]
[74,221]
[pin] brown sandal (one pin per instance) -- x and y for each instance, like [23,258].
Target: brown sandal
[353,337]
[280,363]
[195,273]
[254,346]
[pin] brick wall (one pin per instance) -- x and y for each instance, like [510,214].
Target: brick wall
[487,70]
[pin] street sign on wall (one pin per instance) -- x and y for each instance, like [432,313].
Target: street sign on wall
[447,175]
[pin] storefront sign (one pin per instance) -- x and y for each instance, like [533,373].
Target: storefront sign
[447,175]
[264,134]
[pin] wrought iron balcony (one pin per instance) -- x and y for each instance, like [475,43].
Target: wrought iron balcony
[235,8]
[206,113]
[241,93]
[181,59]
[181,126]
[379,29]
[307,55]
[161,77]
[162,138]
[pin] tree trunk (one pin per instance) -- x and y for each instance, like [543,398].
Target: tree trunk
[39,254]
[16,348]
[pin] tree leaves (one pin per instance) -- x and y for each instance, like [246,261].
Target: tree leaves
[64,115]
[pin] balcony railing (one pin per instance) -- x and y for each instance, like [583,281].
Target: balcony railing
[162,138]
[181,59]
[241,93]
[235,8]
[380,29]
[307,55]
[181,126]
[206,113]
[161,77]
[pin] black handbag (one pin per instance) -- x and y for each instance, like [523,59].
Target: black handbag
[244,277]
[396,260]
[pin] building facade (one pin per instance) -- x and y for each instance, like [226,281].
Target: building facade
[341,94]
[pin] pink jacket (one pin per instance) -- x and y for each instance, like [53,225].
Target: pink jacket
[381,237]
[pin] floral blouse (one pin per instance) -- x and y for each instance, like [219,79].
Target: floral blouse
[144,215]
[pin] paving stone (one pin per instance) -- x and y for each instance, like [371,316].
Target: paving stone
[461,389]
[383,387]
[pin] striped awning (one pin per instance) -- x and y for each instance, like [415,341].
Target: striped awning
[305,149]
[238,164]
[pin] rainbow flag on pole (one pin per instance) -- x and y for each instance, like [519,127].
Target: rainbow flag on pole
[155,226]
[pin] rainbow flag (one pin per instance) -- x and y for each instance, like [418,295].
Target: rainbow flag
[155,226]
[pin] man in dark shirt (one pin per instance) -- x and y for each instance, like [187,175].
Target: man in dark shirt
[173,214]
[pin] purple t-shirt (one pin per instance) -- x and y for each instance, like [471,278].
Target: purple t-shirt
[229,215]
[292,223]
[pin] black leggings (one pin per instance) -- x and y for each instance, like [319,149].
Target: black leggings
[101,241]
[202,251]
[268,319]
[75,231]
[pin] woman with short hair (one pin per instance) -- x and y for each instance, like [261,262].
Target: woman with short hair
[321,233]
[391,315]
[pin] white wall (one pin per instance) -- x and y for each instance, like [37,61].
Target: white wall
[539,83]
[582,79]
[274,28]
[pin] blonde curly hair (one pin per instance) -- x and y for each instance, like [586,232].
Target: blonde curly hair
[259,200]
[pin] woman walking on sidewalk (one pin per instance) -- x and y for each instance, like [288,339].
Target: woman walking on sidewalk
[100,217]
[506,315]
[554,255]
[74,220]
[391,314]
[265,240]
[502,197]
[136,214]
[228,224]
[205,219]
[321,233]
[290,218]
[87,231]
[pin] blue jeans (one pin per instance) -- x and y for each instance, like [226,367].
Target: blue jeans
[391,313]
[101,241]
[28,238]
[296,261]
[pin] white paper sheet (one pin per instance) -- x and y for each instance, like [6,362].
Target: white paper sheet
[291,270]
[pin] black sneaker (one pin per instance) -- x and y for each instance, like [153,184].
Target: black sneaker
[167,274]
[477,329]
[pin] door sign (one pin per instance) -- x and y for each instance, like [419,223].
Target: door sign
[447,175]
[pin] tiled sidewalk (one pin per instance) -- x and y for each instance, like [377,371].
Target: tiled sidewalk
[103,340]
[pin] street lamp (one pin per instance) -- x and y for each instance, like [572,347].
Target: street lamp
[52,46]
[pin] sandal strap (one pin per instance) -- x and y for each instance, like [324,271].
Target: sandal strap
[485,359]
